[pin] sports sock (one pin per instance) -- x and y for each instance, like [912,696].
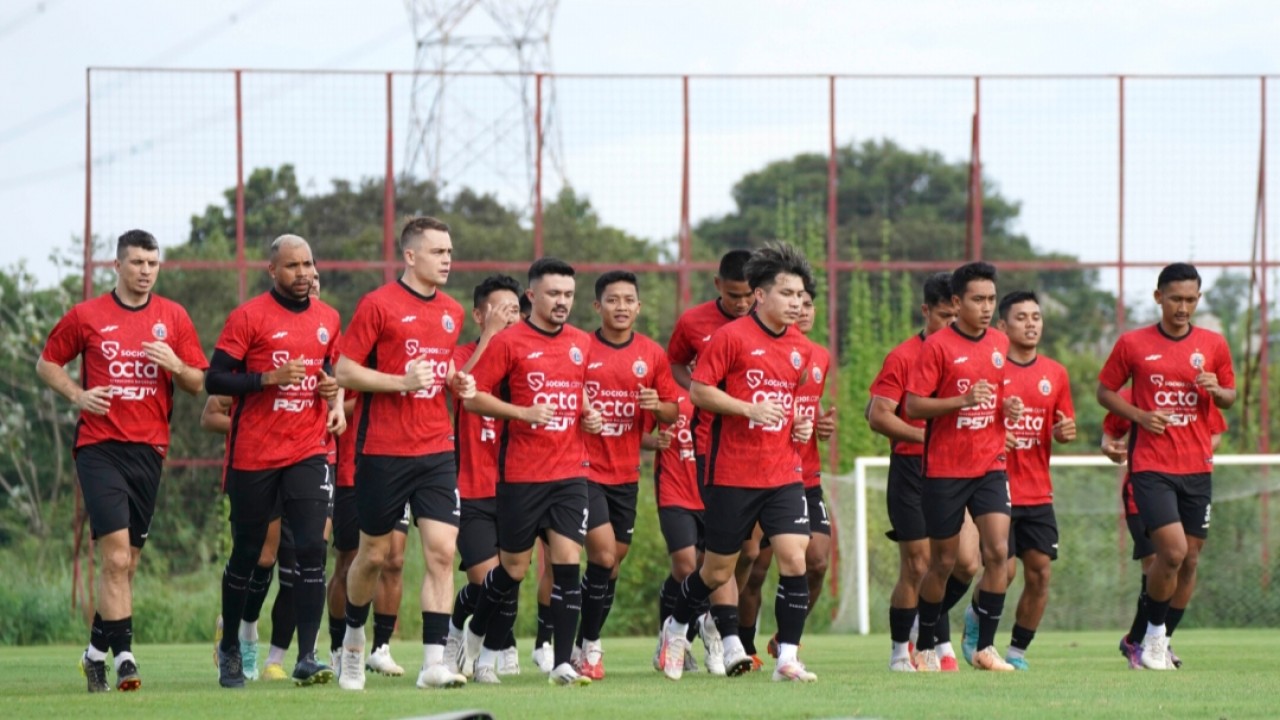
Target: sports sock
[790,608]
[337,629]
[307,519]
[608,600]
[283,619]
[433,654]
[98,643]
[496,586]
[1172,619]
[726,619]
[119,635]
[942,630]
[259,584]
[276,654]
[693,592]
[502,620]
[384,626]
[1157,613]
[594,588]
[566,604]
[1139,626]
[464,603]
[435,632]
[545,625]
[358,615]
[900,620]
[926,638]
[694,626]
[990,607]
[511,639]
[1021,638]
[234,590]
[747,633]
[667,599]
[955,592]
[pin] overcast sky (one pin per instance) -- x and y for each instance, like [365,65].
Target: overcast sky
[46,46]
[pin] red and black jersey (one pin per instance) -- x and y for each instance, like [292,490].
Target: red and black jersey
[1045,390]
[689,339]
[393,326]
[891,384]
[477,442]
[107,336]
[1163,371]
[751,363]
[808,402]
[675,474]
[526,366]
[967,443]
[615,375]
[283,424]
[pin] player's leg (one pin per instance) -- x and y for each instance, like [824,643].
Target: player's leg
[786,510]
[346,541]
[989,506]
[968,562]
[478,548]
[622,517]
[1194,509]
[283,621]
[742,573]
[1157,498]
[437,509]
[386,602]
[252,495]
[543,652]
[601,548]
[1145,553]
[307,487]
[1035,542]
[906,518]
[259,586]
[817,558]
[943,504]
[681,530]
[749,600]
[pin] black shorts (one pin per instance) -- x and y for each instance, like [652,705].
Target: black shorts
[732,513]
[944,501]
[525,509]
[1033,527]
[902,495]
[681,528]
[613,504]
[346,520]
[1142,545]
[478,532]
[428,483]
[1164,499]
[819,518]
[259,496]
[119,482]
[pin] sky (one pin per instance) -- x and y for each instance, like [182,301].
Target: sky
[1192,148]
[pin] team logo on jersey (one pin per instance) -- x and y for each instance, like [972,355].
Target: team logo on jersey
[1197,360]
[109,328]
[161,332]
[575,355]
[279,357]
[411,347]
[796,360]
[536,381]
[110,349]
[997,359]
[1157,380]
[1045,386]
[963,385]
[754,378]
[640,368]
[817,374]
[593,389]
[322,334]
[447,322]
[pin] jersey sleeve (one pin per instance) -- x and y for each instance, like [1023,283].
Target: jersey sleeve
[713,365]
[664,382]
[362,334]
[1116,371]
[927,371]
[1113,425]
[187,341]
[679,349]
[1217,421]
[237,335]
[65,342]
[1063,403]
[891,383]
[493,366]
[1226,371]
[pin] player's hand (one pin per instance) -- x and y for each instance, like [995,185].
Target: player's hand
[766,412]
[665,438]
[1154,421]
[290,373]
[1013,408]
[802,429]
[327,387]
[417,375]
[648,399]
[540,414]
[337,421]
[592,421]
[1209,382]
[1065,429]
[1115,449]
[95,401]
[161,354]
[979,393]
[825,426]
[464,385]
[498,317]
[1010,442]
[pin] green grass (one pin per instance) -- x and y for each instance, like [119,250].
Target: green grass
[1228,674]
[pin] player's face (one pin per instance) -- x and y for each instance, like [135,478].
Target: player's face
[619,306]
[552,298]
[977,305]
[1023,324]
[938,316]
[735,296]
[430,257]
[293,271]
[498,301]
[137,272]
[781,304]
[1177,301]
[805,323]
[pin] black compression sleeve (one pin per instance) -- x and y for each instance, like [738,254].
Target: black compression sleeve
[227,376]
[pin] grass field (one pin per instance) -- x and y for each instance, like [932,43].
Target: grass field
[1227,674]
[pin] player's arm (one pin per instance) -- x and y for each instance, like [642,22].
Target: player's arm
[1115,448]
[189,379]
[228,375]
[926,408]
[354,376]
[495,321]
[882,416]
[482,403]
[682,375]
[93,400]
[216,416]
[1223,397]
[713,399]
[1151,421]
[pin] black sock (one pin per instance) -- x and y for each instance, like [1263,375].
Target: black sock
[283,620]
[942,630]
[595,588]
[1139,627]
[337,631]
[259,584]
[384,626]
[929,613]
[234,589]
[990,608]
[608,600]
[358,615]
[747,634]
[900,622]
[1022,637]
[1172,619]
[566,604]
[726,619]
[545,625]
[667,599]
[496,586]
[693,592]
[464,603]
[511,639]
[955,592]
[98,636]
[309,591]
[435,627]
[791,607]
[502,621]
[119,635]
[1158,612]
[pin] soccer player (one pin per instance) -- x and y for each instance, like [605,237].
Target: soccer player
[886,414]
[532,376]
[398,353]
[957,386]
[134,347]
[748,376]
[495,307]
[272,358]
[1048,415]
[1178,372]
[628,379]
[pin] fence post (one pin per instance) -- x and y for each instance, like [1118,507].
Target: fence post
[537,164]
[1264,390]
[833,342]
[240,259]
[973,241]
[389,195]
[686,240]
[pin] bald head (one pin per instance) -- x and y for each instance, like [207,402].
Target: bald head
[286,242]
[292,267]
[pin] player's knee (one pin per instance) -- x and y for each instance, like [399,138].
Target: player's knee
[756,578]
[117,563]
[1037,578]
[750,551]
[267,557]
[715,577]
[994,554]
[682,567]
[439,560]
[816,565]
[394,564]
[967,566]
[604,557]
